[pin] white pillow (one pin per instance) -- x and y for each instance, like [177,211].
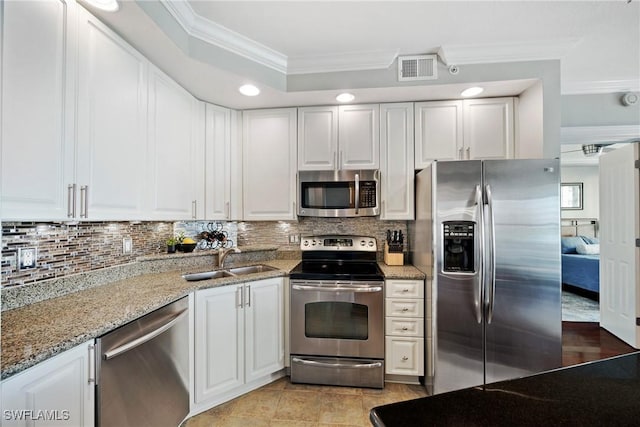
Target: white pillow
[585,249]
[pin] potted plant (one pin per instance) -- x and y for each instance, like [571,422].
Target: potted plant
[179,241]
[171,245]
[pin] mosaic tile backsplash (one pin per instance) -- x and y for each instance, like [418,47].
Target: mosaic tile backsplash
[64,250]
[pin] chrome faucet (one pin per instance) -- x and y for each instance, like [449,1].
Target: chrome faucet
[222,254]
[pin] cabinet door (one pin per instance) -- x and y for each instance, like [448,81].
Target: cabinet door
[359,137]
[264,317]
[317,138]
[218,163]
[269,164]
[404,356]
[37,109]
[396,158]
[219,341]
[438,132]
[173,162]
[111,118]
[488,128]
[56,390]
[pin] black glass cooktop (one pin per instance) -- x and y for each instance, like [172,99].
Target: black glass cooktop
[337,270]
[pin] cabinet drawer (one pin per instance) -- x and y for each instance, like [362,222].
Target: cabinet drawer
[404,356]
[404,289]
[404,307]
[404,326]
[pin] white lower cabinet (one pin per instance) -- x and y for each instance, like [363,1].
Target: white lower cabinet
[239,339]
[404,330]
[59,391]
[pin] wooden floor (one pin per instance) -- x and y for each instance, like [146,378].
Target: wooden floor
[587,341]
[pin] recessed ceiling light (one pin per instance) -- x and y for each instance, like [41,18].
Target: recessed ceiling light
[249,90]
[345,97]
[106,5]
[472,91]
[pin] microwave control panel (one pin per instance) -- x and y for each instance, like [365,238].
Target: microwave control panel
[367,194]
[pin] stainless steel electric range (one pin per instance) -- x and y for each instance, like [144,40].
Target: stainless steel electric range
[337,314]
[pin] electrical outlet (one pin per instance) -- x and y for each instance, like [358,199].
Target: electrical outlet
[127,245]
[27,258]
[294,238]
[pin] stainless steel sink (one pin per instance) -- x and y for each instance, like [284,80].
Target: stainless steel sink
[216,274]
[229,272]
[239,271]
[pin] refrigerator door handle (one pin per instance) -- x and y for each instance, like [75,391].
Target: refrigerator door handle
[477,298]
[492,236]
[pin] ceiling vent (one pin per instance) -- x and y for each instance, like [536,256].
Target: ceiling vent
[420,67]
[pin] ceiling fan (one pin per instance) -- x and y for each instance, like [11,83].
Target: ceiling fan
[592,150]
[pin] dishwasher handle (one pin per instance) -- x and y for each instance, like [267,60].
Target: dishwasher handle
[146,337]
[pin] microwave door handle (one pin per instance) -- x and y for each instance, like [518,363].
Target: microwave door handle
[357,192]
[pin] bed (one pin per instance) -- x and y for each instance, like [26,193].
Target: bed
[581,257]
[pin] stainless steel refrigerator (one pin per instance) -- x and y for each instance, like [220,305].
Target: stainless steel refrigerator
[488,233]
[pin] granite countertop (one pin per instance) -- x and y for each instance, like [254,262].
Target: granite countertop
[605,392]
[401,272]
[38,331]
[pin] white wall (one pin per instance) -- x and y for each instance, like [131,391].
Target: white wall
[588,175]
[530,123]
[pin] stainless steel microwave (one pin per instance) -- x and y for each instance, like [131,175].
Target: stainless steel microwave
[340,193]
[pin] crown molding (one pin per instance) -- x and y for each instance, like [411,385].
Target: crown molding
[598,134]
[351,61]
[506,52]
[607,86]
[224,38]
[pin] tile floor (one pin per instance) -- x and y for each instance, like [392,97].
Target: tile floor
[298,405]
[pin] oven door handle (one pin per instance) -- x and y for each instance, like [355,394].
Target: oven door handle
[336,288]
[337,365]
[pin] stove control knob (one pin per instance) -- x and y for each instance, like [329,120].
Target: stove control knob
[370,243]
[305,243]
[362,243]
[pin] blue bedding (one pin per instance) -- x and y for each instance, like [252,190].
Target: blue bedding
[582,271]
[578,269]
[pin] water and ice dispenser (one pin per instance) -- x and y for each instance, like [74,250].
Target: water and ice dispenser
[458,247]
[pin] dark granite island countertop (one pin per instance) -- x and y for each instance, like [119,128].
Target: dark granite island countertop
[601,393]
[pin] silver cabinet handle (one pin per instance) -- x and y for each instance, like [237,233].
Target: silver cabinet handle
[335,160]
[84,201]
[404,328]
[227,210]
[71,200]
[460,154]
[146,337]
[405,358]
[91,377]
[337,365]
[239,297]
[248,291]
[405,309]
[468,153]
[194,208]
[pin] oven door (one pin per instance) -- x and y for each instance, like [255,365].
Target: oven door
[337,319]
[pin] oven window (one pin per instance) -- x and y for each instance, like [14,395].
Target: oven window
[336,319]
[328,195]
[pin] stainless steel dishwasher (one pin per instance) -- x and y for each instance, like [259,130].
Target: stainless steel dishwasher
[142,374]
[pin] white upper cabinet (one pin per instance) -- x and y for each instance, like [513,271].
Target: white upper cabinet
[37,109]
[269,164]
[396,161]
[217,163]
[111,121]
[358,136]
[488,128]
[438,131]
[176,152]
[463,130]
[345,137]
[317,138]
